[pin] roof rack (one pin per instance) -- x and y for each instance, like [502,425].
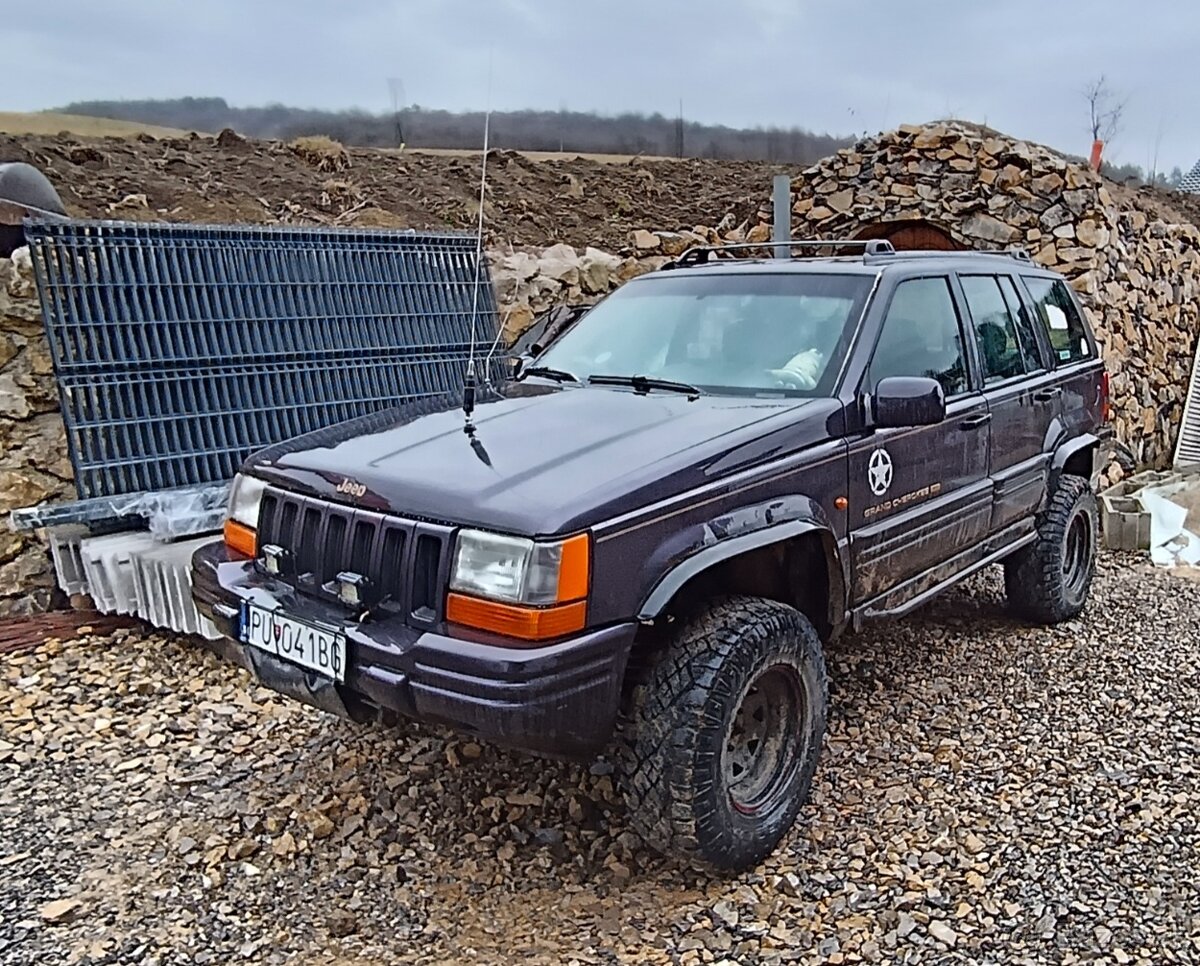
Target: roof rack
[1020,254]
[698,255]
[1016,251]
[871,247]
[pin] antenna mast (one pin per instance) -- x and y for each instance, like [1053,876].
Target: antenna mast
[469,381]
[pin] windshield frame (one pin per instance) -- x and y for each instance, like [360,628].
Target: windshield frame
[833,375]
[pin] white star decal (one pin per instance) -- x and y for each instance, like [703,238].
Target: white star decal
[879,472]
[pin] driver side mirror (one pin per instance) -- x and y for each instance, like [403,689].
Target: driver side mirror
[902,401]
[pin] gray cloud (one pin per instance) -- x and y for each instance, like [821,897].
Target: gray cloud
[831,67]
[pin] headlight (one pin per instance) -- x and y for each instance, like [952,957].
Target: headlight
[245,495]
[518,570]
[533,590]
[241,524]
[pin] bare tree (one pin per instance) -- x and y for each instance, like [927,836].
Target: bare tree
[1105,110]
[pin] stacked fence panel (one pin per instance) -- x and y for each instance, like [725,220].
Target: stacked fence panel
[180,349]
[1187,448]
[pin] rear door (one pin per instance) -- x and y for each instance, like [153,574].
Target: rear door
[1021,391]
[919,495]
[1073,351]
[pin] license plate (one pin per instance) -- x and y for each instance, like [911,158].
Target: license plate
[316,648]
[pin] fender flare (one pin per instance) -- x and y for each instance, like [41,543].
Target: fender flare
[1068,449]
[675,578]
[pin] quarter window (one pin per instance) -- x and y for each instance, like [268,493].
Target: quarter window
[921,336]
[1058,314]
[1000,349]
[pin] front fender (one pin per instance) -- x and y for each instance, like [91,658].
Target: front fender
[745,529]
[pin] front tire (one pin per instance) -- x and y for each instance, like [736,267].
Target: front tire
[726,734]
[1049,580]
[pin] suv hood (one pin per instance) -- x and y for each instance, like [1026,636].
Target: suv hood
[543,460]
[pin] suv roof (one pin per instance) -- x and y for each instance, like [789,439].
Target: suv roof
[877,255]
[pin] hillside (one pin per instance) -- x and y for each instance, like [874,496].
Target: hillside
[228,179]
[419,127]
[50,122]
[534,199]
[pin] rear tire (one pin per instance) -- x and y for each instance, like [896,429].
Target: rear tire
[726,733]
[1049,580]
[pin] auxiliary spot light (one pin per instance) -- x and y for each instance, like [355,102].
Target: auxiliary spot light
[349,585]
[272,558]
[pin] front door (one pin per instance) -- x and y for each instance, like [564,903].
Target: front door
[919,495]
[1022,395]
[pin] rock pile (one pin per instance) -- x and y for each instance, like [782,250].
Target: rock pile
[529,283]
[34,465]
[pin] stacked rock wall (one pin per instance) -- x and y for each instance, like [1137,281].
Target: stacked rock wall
[34,465]
[1137,274]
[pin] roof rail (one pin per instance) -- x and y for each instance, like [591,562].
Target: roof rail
[1014,251]
[1020,254]
[698,254]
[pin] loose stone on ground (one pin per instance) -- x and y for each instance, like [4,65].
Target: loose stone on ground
[989,792]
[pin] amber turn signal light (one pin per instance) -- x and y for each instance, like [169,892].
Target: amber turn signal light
[509,620]
[573,569]
[241,538]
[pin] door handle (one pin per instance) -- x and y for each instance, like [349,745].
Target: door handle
[1046,395]
[974,422]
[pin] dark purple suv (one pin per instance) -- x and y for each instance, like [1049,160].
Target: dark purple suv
[651,529]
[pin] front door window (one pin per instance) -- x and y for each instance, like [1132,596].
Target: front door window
[921,337]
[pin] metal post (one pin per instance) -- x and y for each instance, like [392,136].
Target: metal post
[781,229]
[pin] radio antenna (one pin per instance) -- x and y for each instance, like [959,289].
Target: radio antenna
[469,381]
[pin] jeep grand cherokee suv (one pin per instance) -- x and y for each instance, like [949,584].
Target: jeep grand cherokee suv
[660,519]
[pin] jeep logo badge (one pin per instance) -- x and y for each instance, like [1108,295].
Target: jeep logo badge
[351,487]
[879,471]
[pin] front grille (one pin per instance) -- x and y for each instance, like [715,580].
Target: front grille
[403,561]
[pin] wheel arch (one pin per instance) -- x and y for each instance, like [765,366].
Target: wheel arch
[1077,457]
[795,562]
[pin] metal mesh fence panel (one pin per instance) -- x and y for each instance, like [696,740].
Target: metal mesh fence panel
[180,349]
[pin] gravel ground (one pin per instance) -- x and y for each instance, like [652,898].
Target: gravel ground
[989,793]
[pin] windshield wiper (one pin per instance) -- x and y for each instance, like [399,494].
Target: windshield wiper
[646,383]
[548,372]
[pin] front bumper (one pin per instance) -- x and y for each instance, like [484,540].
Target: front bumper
[559,700]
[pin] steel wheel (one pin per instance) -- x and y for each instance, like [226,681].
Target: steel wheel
[1077,555]
[764,745]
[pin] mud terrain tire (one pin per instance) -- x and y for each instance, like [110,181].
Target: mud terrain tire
[724,736]
[1048,581]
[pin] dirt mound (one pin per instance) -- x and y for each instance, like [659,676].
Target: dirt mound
[578,201]
[1161,204]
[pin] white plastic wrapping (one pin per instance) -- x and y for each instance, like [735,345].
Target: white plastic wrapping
[1174,521]
[169,514]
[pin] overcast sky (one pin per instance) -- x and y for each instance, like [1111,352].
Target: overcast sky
[829,66]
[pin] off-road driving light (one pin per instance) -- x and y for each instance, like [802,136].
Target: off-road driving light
[522,588]
[245,495]
[348,585]
[272,558]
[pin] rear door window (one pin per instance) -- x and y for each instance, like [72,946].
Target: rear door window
[1002,352]
[1061,319]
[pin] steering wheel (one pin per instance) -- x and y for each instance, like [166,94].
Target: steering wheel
[790,379]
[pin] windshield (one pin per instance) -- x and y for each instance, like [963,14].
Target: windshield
[743,334]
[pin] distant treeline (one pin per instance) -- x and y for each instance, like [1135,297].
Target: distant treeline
[416,126]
